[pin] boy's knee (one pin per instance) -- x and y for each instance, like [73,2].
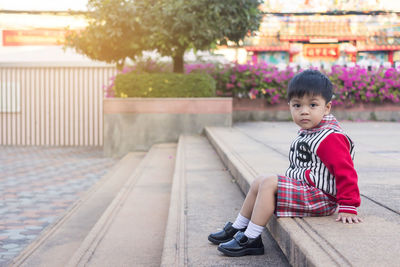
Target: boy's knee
[256,184]
[269,183]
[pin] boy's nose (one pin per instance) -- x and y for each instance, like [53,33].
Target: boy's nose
[304,110]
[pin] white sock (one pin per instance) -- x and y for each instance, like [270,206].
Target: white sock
[253,230]
[240,222]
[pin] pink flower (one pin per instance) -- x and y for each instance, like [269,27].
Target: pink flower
[229,86]
[275,99]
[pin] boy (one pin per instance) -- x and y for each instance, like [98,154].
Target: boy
[321,175]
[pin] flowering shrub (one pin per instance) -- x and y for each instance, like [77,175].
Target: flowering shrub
[208,68]
[109,89]
[356,84]
[351,84]
[164,84]
[141,66]
[250,81]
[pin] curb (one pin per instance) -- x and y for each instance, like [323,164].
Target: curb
[175,248]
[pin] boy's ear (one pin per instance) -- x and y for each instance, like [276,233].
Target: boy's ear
[328,108]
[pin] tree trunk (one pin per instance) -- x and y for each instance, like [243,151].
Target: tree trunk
[120,64]
[178,61]
[237,53]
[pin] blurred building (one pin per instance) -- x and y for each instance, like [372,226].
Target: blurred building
[37,36]
[292,31]
[19,28]
[326,39]
[366,32]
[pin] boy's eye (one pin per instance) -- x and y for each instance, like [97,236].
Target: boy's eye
[296,105]
[313,105]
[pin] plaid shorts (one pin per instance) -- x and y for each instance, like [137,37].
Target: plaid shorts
[298,199]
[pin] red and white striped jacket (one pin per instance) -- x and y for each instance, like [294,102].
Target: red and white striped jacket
[323,158]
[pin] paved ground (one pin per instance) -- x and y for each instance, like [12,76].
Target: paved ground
[37,185]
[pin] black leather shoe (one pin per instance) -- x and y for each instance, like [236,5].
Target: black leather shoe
[241,245]
[224,235]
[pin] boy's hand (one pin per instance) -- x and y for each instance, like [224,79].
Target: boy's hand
[348,217]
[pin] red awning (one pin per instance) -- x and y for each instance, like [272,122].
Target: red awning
[267,48]
[298,38]
[379,48]
[379,43]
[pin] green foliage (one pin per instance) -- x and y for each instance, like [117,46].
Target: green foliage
[238,18]
[181,24]
[115,31]
[149,65]
[164,85]
[120,29]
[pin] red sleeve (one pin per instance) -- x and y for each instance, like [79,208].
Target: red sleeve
[334,151]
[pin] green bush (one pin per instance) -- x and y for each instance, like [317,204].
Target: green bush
[164,85]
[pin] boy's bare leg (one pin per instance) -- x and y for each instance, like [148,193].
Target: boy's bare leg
[259,205]
[264,205]
[248,204]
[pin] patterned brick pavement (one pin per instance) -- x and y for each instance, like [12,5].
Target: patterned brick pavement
[37,186]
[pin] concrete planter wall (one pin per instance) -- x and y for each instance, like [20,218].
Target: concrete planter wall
[379,112]
[245,109]
[132,124]
[259,110]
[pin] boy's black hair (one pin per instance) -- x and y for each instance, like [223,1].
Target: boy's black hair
[310,82]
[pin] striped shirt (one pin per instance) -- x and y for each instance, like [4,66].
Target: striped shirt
[315,164]
[306,165]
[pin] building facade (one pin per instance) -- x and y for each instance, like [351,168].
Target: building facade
[366,32]
[326,39]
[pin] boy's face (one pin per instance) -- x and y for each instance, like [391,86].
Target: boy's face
[308,111]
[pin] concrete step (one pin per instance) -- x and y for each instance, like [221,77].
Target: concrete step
[131,230]
[59,242]
[204,196]
[254,149]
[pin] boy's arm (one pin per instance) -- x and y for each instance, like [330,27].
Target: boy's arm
[334,152]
